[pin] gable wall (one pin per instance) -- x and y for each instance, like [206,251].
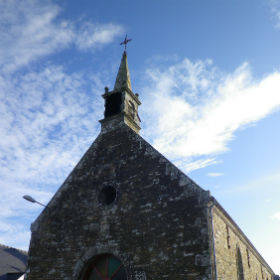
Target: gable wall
[158,223]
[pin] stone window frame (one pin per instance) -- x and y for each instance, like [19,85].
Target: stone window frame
[131,109]
[228,236]
[94,265]
[94,251]
[239,264]
[109,183]
[248,257]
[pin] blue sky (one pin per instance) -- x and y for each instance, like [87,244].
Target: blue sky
[208,75]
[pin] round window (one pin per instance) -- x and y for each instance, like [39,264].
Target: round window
[107,195]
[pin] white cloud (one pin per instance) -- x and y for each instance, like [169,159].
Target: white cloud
[192,164]
[48,119]
[32,29]
[43,116]
[93,35]
[14,234]
[215,174]
[269,182]
[275,9]
[197,108]
[276,216]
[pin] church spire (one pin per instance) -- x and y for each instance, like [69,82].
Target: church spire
[121,104]
[123,77]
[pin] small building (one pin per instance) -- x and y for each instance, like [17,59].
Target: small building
[126,212]
[12,263]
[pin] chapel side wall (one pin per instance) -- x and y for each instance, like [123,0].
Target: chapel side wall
[226,242]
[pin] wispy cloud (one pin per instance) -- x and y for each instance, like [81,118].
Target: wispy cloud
[191,109]
[276,216]
[14,233]
[43,116]
[197,108]
[215,174]
[189,163]
[269,182]
[275,9]
[47,123]
[92,35]
[48,119]
[32,29]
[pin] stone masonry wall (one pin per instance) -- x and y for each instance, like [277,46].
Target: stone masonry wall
[157,224]
[227,237]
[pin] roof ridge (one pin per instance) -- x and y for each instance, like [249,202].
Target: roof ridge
[10,247]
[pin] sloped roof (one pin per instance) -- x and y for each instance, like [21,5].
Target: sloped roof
[12,261]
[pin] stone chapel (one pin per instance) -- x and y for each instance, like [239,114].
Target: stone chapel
[126,212]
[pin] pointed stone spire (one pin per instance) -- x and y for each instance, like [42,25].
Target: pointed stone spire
[123,77]
[121,104]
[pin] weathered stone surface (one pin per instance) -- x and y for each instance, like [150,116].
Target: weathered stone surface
[125,199]
[123,76]
[228,237]
[158,221]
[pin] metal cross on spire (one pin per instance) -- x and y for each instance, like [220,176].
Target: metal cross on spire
[125,42]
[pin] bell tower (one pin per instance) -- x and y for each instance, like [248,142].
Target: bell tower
[121,104]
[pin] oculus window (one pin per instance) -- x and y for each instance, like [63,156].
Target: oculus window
[107,195]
